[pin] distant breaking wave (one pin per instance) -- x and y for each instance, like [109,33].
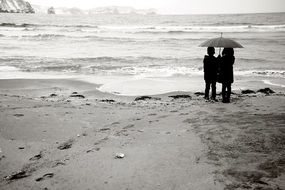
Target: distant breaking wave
[270,73]
[218,27]
[195,29]
[100,38]
[25,25]
[44,36]
[15,25]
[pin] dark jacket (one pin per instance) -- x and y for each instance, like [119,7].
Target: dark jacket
[226,73]
[210,68]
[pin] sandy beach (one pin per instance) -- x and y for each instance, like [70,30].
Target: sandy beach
[65,134]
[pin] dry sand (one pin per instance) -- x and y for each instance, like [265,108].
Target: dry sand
[49,140]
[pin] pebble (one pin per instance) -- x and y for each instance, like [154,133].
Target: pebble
[119,155]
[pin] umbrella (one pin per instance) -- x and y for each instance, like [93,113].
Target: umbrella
[221,42]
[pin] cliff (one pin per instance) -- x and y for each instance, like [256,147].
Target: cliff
[15,6]
[98,10]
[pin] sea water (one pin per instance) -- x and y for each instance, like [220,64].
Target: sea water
[140,54]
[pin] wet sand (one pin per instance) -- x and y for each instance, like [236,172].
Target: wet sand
[64,134]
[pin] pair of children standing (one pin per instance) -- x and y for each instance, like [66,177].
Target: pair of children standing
[220,70]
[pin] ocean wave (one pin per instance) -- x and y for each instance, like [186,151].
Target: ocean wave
[5,68]
[140,59]
[42,36]
[55,68]
[16,25]
[151,70]
[226,28]
[45,36]
[83,38]
[261,73]
[227,23]
[123,68]
[270,73]
[102,59]
[168,71]
[25,25]
[216,27]
[273,84]
[259,60]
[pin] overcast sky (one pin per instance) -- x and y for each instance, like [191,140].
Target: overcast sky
[178,6]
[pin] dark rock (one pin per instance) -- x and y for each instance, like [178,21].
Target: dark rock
[21,148]
[77,96]
[108,100]
[246,176]
[266,91]
[74,92]
[248,92]
[181,96]
[119,155]
[51,10]
[199,93]
[53,95]
[146,98]
[66,145]
[261,182]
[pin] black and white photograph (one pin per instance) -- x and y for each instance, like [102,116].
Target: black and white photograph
[142,95]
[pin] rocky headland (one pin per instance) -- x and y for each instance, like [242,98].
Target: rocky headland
[15,6]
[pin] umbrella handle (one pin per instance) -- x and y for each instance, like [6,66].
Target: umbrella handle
[220,47]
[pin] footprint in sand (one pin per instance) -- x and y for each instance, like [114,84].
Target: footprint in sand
[163,116]
[153,121]
[129,126]
[104,129]
[19,115]
[66,145]
[36,157]
[44,177]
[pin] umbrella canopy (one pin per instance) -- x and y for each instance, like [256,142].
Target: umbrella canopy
[221,42]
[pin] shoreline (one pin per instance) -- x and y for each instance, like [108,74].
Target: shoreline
[133,86]
[58,134]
